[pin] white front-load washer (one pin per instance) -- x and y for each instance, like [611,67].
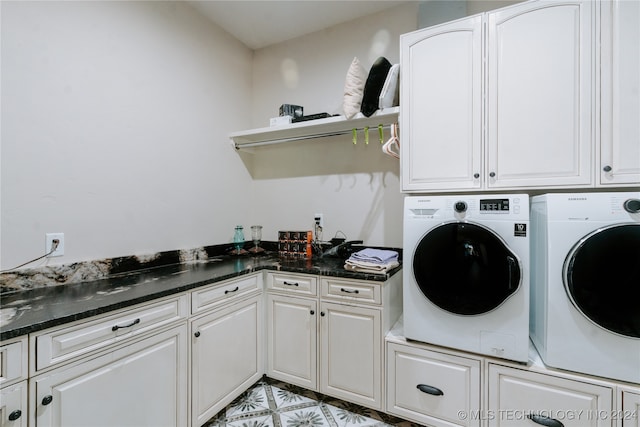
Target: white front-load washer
[585,282]
[466,273]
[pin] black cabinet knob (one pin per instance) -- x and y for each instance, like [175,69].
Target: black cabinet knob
[312,312]
[322,313]
[15,415]
[492,174]
[476,175]
[197,334]
[47,399]
[607,168]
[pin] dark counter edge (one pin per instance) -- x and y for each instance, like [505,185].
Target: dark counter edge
[49,323]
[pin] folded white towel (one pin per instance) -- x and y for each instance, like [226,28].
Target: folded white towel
[375,256]
[368,267]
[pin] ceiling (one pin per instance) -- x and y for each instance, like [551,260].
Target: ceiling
[261,23]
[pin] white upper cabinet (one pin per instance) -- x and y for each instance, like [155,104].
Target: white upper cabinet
[500,100]
[441,106]
[540,95]
[620,130]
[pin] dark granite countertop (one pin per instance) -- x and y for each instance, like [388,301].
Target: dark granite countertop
[37,309]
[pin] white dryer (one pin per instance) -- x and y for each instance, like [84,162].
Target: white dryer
[466,273]
[585,282]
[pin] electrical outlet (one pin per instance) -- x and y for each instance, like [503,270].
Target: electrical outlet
[49,244]
[319,219]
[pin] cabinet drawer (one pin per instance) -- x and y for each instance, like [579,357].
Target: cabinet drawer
[351,290]
[517,396]
[55,346]
[432,388]
[293,283]
[13,361]
[204,299]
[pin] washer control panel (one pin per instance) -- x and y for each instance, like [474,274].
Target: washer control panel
[466,207]
[494,205]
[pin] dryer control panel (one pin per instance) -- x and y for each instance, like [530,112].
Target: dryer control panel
[464,207]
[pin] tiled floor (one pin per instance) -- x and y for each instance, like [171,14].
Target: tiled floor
[274,403]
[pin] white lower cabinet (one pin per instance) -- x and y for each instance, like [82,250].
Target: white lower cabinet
[292,340]
[338,349]
[226,356]
[14,371]
[143,383]
[518,397]
[433,388]
[628,412]
[13,405]
[351,353]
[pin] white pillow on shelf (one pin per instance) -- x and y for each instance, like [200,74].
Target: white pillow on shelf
[389,96]
[353,89]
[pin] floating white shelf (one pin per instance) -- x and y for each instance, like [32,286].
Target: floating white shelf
[319,128]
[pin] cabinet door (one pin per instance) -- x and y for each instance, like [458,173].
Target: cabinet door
[630,414]
[13,405]
[292,340]
[142,384]
[351,350]
[620,99]
[540,94]
[226,356]
[517,397]
[441,106]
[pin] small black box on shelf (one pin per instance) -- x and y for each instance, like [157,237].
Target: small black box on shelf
[291,110]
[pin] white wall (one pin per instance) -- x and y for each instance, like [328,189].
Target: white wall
[355,187]
[114,120]
[114,123]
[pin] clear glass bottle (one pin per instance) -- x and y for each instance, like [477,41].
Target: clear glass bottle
[238,238]
[256,237]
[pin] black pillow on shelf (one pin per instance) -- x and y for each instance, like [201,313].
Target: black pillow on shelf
[373,86]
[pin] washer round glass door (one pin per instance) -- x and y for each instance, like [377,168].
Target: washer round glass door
[601,276]
[465,268]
